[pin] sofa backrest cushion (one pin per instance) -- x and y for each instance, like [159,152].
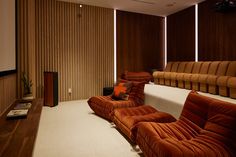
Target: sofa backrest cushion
[137,92]
[196,109]
[231,71]
[174,66]
[196,67]
[188,67]
[181,67]
[204,67]
[221,122]
[213,68]
[168,66]
[222,68]
[216,118]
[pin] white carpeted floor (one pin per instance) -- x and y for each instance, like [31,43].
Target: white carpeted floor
[72,130]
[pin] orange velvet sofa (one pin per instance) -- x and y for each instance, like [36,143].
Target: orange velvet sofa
[104,106]
[126,119]
[215,77]
[206,127]
[137,76]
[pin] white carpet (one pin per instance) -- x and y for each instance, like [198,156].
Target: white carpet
[72,130]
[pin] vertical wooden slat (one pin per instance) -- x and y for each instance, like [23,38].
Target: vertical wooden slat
[76,42]
[8,91]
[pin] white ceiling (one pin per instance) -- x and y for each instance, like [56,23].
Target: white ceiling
[152,7]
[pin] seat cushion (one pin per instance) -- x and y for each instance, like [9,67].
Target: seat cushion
[178,139]
[126,119]
[104,105]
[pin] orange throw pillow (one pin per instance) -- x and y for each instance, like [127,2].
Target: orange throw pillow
[121,90]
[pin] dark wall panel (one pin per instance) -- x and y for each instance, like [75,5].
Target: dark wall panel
[139,42]
[181,35]
[217,33]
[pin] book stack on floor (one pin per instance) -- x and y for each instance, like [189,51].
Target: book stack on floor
[20,110]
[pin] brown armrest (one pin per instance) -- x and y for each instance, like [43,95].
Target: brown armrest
[194,77]
[222,80]
[211,79]
[202,78]
[231,82]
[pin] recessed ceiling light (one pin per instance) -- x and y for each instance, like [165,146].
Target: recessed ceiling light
[144,1]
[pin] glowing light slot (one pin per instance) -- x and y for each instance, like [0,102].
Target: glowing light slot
[196,33]
[165,41]
[115,70]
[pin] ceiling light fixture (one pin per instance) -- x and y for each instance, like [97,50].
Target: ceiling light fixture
[143,1]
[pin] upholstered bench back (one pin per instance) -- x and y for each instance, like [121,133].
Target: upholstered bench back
[216,118]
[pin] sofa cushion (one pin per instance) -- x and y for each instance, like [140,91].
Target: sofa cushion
[181,67]
[196,67]
[121,90]
[231,71]
[126,119]
[174,66]
[213,68]
[137,76]
[206,128]
[104,106]
[168,66]
[222,69]
[204,68]
[231,82]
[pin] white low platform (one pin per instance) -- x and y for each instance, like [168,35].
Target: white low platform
[171,99]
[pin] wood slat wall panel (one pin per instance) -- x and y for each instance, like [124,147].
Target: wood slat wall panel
[8,91]
[139,42]
[217,33]
[78,44]
[25,43]
[181,35]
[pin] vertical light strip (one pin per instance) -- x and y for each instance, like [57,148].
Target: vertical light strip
[115,69]
[196,33]
[165,41]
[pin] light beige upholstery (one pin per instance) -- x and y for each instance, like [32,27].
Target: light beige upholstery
[232,87]
[167,75]
[203,77]
[173,76]
[215,77]
[180,76]
[195,77]
[222,80]
[159,75]
[211,79]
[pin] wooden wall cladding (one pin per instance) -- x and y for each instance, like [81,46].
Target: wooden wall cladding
[25,43]
[139,42]
[181,35]
[78,43]
[8,91]
[217,33]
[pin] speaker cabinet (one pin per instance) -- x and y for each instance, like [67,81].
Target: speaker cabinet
[50,89]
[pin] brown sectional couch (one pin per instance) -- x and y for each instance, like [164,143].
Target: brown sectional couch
[216,77]
[206,127]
